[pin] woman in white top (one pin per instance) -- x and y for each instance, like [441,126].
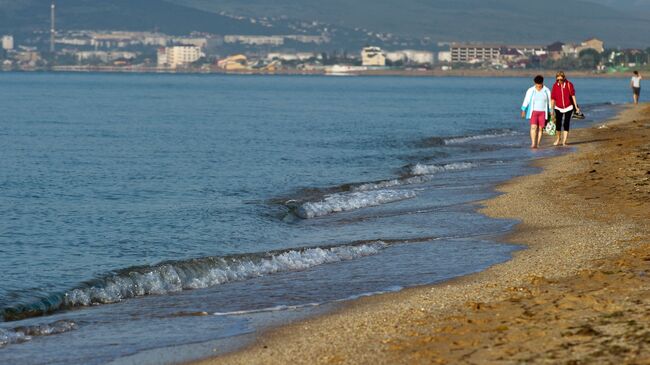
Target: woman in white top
[635,84]
[537,108]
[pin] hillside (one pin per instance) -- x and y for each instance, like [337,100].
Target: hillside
[28,15]
[460,20]
[512,21]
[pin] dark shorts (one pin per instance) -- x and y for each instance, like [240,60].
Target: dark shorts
[637,90]
[563,120]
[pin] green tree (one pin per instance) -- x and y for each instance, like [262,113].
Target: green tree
[589,59]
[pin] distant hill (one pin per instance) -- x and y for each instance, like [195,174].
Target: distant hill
[28,15]
[511,21]
[638,7]
[462,20]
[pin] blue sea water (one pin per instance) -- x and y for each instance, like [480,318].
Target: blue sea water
[130,203]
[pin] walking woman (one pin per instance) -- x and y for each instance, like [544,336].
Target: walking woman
[635,84]
[563,102]
[536,108]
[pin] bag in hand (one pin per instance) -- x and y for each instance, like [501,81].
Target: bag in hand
[550,128]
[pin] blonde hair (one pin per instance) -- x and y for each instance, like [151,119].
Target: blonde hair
[560,73]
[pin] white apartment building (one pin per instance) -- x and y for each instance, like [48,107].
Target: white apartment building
[317,39]
[411,56]
[258,40]
[299,56]
[201,42]
[372,56]
[474,52]
[444,56]
[105,56]
[7,42]
[471,53]
[177,56]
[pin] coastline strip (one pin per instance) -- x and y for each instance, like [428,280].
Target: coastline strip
[580,292]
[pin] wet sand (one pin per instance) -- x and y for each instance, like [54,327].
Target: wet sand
[580,293]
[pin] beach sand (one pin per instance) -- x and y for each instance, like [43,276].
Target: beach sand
[579,294]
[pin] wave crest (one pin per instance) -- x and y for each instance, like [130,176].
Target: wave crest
[172,277]
[422,169]
[341,202]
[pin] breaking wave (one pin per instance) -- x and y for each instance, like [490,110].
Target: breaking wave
[477,137]
[358,196]
[391,183]
[341,202]
[453,140]
[422,169]
[175,276]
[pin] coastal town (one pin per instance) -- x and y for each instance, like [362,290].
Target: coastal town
[132,51]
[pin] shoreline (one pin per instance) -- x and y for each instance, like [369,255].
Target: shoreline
[592,209]
[295,72]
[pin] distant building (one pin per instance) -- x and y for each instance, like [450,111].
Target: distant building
[317,39]
[411,56]
[299,56]
[30,57]
[573,50]
[372,56]
[593,43]
[7,42]
[119,39]
[104,56]
[178,56]
[469,53]
[510,55]
[275,40]
[528,49]
[257,40]
[474,53]
[554,50]
[444,56]
[233,63]
[197,42]
[69,41]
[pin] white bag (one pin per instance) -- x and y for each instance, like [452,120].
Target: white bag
[550,128]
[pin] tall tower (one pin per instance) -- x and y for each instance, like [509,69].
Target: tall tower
[52,27]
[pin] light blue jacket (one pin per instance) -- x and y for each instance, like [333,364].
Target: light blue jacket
[527,106]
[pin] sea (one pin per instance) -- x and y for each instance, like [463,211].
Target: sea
[161,218]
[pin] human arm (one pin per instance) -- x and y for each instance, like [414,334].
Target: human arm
[526,103]
[575,102]
[573,97]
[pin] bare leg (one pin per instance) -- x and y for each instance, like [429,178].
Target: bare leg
[540,132]
[557,138]
[636,99]
[565,136]
[533,136]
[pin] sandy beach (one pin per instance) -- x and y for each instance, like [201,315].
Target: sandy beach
[579,294]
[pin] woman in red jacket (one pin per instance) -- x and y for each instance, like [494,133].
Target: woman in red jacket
[563,101]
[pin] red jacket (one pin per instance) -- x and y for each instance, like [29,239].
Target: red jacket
[562,94]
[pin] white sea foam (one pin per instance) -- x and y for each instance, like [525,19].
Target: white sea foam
[279,308]
[168,278]
[422,169]
[458,140]
[391,183]
[341,202]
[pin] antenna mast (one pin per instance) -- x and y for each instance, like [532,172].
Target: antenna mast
[52,27]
